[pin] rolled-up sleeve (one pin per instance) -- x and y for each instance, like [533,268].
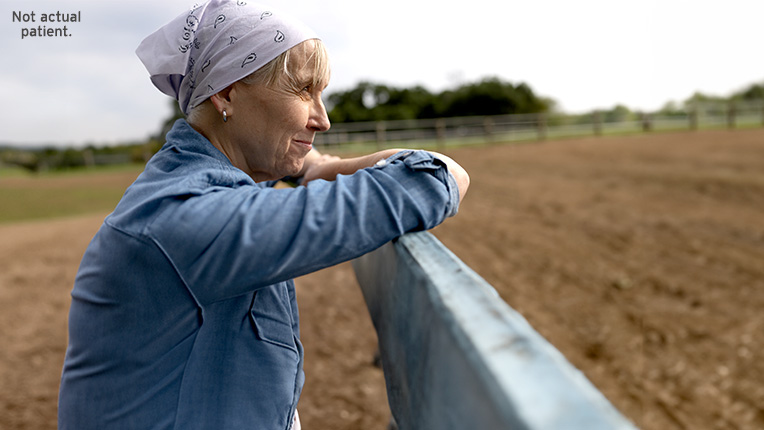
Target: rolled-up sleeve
[425,161]
[226,241]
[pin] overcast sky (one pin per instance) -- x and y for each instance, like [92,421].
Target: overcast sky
[586,54]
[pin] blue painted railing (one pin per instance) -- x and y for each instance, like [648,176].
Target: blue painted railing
[455,356]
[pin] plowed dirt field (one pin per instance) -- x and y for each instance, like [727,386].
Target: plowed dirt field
[641,258]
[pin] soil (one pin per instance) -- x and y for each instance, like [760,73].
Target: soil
[640,258]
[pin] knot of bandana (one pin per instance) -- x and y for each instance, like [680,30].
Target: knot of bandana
[215,44]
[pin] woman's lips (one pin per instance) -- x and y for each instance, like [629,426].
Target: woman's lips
[304,143]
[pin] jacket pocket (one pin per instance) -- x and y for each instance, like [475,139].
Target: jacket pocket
[271,316]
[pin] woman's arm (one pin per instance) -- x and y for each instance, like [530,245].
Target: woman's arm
[327,167]
[461,176]
[225,241]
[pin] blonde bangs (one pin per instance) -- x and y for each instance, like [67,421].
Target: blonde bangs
[282,67]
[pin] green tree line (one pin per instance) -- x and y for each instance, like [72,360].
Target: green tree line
[377,102]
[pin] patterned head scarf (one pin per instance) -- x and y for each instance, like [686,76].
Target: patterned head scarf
[215,44]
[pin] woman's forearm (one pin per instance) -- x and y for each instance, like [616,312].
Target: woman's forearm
[323,168]
[329,169]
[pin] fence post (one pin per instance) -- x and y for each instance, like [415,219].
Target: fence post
[440,133]
[646,123]
[541,125]
[380,134]
[694,118]
[89,157]
[731,111]
[488,128]
[597,119]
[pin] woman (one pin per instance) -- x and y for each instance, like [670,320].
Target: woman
[183,311]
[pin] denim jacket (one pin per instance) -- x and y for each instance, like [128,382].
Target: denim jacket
[183,311]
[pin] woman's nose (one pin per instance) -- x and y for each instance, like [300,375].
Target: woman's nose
[319,119]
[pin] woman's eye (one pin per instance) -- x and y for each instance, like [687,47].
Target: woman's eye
[306,93]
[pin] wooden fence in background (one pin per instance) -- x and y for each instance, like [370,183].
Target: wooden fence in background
[533,127]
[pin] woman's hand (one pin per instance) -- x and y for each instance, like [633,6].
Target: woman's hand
[320,166]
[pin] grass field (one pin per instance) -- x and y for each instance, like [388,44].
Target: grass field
[26,196]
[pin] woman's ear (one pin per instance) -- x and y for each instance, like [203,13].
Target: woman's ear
[222,100]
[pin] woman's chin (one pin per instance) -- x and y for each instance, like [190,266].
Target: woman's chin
[295,167]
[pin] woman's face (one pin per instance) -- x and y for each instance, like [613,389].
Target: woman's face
[272,128]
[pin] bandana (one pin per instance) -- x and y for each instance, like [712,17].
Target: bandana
[215,44]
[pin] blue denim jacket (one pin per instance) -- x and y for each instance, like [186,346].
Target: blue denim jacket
[183,311]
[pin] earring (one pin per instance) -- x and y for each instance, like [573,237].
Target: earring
[225,116]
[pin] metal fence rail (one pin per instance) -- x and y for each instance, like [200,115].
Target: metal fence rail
[456,356]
